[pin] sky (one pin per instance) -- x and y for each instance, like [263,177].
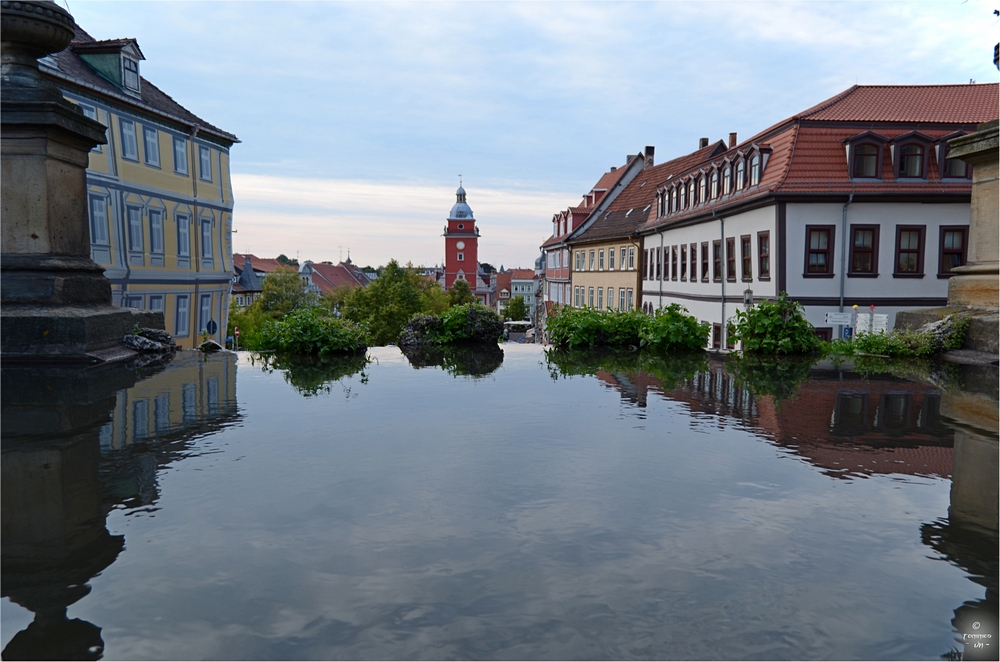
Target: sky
[356,119]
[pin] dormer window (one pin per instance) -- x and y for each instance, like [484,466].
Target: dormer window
[691,199]
[682,200]
[956,169]
[715,184]
[951,168]
[727,180]
[130,76]
[865,161]
[755,170]
[911,160]
[701,189]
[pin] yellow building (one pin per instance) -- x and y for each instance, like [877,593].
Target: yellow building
[606,273]
[160,196]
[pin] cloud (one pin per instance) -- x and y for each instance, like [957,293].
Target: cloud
[316,217]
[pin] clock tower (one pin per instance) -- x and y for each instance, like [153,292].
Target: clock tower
[461,244]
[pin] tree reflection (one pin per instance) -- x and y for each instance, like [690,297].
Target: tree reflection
[770,376]
[312,375]
[670,369]
[458,360]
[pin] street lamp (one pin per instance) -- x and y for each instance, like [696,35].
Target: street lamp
[748,298]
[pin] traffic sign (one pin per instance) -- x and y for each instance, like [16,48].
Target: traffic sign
[211,327]
[236,332]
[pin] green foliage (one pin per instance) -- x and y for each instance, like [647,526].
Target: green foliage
[312,333]
[433,300]
[775,327]
[459,360]
[671,370]
[902,343]
[311,376]
[284,259]
[460,293]
[250,322]
[469,323]
[284,291]
[670,329]
[385,306]
[515,309]
[764,375]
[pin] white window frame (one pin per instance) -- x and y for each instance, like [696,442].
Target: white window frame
[621,264]
[156,231]
[128,82]
[630,301]
[99,220]
[206,238]
[204,311]
[631,258]
[130,148]
[182,321]
[91,112]
[600,260]
[611,258]
[183,235]
[151,146]
[156,302]
[600,298]
[180,150]
[621,298]
[136,240]
[461,257]
[204,163]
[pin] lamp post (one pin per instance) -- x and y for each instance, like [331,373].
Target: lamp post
[748,298]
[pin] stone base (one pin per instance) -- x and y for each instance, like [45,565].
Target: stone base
[975,285]
[74,334]
[984,325]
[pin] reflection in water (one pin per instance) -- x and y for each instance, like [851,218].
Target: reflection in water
[667,370]
[312,375]
[457,360]
[77,443]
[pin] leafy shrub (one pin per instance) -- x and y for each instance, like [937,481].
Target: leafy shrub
[586,327]
[468,323]
[460,360]
[948,333]
[308,332]
[671,329]
[775,327]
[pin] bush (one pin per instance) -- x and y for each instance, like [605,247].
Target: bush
[468,323]
[775,327]
[935,338]
[309,332]
[670,329]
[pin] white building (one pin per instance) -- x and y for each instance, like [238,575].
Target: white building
[851,202]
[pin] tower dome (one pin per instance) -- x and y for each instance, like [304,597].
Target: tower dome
[460,211]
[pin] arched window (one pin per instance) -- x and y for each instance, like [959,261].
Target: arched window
[727,180]
[956,168]
[715,184]
[739,175]
[755,170]
[865,161]
[911,160]
[682,202]
[702,182]
[692,201]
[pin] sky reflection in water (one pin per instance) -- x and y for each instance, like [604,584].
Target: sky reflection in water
[432,513]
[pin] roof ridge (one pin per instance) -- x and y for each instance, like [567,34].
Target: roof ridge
[791,155]
[823,105]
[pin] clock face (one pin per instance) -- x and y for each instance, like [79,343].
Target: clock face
[460,245]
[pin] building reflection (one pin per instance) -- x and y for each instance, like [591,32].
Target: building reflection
[77,443]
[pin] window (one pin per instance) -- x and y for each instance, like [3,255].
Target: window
[692,201]
[91,112]
[755,170]
[714,185]
[577,261]
[716,336]
[763,255]
[181,322]
[717,260]
[206,238]
[131,78]
[155,231]
[156,302]
[684,264]
[621,264]
[704,261]
[591,261]
[183,235]
[731,258]
[909,250]
[600,298]
[611,297]
[693,248]
[682,201]
[911,160]
[621,298]
[819,250]
[151,145]
[746,258]
[864,250]
[702,183]
[205,312]
[98,220]
[135,242]
[727,180]
[659,263]
[865,161]
[611,259]
[189,409]
[180,156]
[956,168]
[628,299]
[134,301]
[600,260]
[739,175]
[954,248]
[590,297]
[673,263]
[130,149]
[461,257]
[631,258]
[205,161]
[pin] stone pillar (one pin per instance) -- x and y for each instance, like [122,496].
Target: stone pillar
[978,282]
[56,301]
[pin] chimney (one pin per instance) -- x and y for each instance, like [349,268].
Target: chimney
[732,139]
[702,143]
[649,156]
[613,168]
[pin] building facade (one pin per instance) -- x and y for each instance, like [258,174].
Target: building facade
[461,252]
[160,198]
[852,202]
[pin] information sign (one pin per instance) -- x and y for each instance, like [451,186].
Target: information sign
[843,319]
[880,323]
[863,323]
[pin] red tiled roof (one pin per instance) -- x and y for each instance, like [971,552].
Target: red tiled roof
[503,281]
[263,264]
[522,274]
[329,276]
[607,182]
[943,104]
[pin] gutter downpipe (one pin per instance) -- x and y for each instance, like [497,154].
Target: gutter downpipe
[722,247]
[843,248]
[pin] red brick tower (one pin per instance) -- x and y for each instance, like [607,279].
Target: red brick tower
[461,244]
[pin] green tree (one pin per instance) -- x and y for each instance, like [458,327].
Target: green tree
[460,293]
[434,299]
[386,305]
[284,291]
[285,260]
[515,309]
